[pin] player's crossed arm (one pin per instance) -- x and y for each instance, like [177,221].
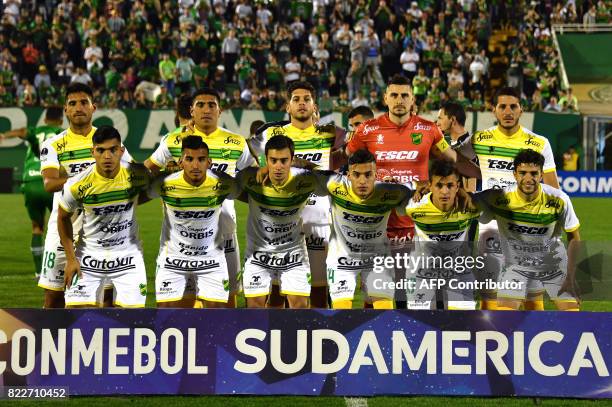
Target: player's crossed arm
[67,206]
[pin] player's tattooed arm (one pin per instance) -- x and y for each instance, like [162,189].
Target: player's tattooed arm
[54,179]
[64,227]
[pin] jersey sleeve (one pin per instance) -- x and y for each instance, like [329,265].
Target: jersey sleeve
[405,198]
[482,199]
[549,158]
[127,157]
[154,189]
[356,141]
[243,176]
[258,143]
[246,159]
[322,181]
[408,208]
[439,140]
[570,220]
[67,199]
[30,136]
[466,149]
[162,155]
[48,157]
[234,189]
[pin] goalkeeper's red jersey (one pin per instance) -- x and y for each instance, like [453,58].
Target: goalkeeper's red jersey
[402,152]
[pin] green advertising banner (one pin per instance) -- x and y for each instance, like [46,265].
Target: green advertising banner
[143,129]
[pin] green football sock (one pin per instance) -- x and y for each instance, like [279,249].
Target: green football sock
[36,247]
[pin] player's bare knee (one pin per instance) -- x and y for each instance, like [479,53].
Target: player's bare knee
[215,304]
[257,302]
[54,299]
[171,304]
[297,301]
[508,304]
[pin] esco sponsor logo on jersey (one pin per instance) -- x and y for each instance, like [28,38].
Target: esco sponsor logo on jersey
[109,210]
[277,212]
[527,230]
[221,167]
[501,164]
[193,214]
[362,219]
[315,157]
[397,155]
[445,237]
[78,167]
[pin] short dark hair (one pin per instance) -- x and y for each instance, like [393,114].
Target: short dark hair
[207,91]
[76,87]
[104,133]
[398,79]
[183,106]
[361,156]
[301,85]
[193,143]
[280,142]
[54,114]
[453,109]
[506,91]
[443,168]
[529,156]
[364,111]
[255,126]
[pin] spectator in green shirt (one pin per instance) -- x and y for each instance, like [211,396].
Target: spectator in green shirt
[164,100]
[420,83]
[166,73]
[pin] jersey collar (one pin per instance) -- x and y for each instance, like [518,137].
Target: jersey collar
[88,135]
[499,132]
[310,129]
[204,135]
[386,121]
[524,202]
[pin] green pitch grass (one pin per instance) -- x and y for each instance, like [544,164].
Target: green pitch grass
[18,290]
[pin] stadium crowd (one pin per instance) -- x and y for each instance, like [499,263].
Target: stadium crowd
[250,50]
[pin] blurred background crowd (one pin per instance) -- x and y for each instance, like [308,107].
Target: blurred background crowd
[144,53]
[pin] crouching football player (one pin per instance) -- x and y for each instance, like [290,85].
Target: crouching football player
[108,250]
